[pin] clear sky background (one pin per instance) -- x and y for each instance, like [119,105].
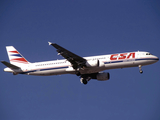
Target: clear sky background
[85,27]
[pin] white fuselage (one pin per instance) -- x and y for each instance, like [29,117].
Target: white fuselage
[112,61]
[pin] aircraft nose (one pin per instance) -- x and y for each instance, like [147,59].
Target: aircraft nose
[157,59]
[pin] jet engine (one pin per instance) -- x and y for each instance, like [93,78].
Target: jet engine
[103,76]
[94,63]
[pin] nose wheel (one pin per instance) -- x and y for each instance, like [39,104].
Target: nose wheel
[140,69]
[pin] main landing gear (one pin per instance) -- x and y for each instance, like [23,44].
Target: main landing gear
[140,69]
[85,80]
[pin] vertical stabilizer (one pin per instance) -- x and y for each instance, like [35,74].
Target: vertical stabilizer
[15,57]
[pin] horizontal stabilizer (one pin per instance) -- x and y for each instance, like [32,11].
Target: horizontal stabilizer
[11,66]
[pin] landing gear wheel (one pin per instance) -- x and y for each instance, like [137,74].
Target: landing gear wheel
[140,69]
[84,81]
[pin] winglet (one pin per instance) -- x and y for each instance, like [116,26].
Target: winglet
[49,43]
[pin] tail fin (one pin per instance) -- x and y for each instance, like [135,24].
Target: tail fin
[15,57]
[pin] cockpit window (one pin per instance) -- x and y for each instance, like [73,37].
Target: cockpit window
[148,54]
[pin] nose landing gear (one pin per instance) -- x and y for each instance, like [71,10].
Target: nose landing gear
[140,69]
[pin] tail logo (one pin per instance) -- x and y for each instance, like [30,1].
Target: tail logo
[17,57]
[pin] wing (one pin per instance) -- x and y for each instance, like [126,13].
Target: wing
[75,60]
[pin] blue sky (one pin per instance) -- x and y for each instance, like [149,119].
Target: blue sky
[85,27]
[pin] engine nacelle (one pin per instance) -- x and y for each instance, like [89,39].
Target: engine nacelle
[92,63]
[101,64]
[103,76]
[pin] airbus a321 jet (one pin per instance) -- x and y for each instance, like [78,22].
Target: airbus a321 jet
[86,67]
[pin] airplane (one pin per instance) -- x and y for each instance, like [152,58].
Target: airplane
[86,67]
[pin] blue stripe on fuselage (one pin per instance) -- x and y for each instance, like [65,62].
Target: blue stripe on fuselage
[43,69]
